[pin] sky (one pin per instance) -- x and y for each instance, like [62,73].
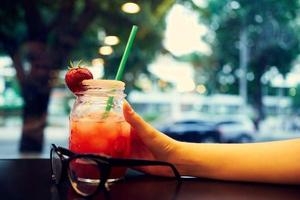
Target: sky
[183,35]
[183,32]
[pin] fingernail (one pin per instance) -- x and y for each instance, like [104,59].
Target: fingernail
[130,109]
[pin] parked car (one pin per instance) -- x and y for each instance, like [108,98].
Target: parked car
[239,129]
[192,130]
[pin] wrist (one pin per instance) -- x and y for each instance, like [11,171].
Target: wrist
[190,159]
[180,158]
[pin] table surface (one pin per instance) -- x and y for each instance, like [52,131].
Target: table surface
[30,179]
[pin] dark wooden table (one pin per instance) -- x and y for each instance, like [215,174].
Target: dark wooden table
[30,179]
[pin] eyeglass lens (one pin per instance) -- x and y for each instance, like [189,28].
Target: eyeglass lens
[85,175]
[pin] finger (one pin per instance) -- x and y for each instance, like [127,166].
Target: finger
[137,122]
[158,143]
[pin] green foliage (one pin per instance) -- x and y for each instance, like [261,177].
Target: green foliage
[271,28]
[69,29]
[296,99]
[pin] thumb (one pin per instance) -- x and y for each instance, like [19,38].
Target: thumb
[141,127]
[148,134]
[159,144]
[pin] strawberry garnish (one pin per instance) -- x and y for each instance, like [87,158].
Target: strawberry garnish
[75,75]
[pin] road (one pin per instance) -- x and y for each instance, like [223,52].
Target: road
[9,141]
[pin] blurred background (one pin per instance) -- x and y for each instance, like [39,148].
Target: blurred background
[200,70]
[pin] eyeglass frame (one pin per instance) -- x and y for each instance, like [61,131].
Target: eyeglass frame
[104,163]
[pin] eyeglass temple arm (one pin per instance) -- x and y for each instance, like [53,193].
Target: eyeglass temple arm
[135,163]
[64,151]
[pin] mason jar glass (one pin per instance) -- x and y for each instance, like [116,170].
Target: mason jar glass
[97,124]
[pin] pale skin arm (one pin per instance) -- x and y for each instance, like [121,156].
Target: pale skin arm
[269,162]
[272,162]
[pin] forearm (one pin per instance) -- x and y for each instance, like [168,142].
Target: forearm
[274,162]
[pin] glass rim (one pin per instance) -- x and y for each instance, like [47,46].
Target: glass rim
[104,84]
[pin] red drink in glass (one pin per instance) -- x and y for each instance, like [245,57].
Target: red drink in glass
[95,130]
[110,137]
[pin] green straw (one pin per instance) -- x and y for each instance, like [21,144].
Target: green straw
[121,68]
[126,53]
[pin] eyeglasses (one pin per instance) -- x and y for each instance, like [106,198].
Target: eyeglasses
[88,173]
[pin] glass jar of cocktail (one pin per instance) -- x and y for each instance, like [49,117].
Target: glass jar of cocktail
[97,123]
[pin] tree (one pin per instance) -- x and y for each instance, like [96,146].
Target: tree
[42,36]
[253,34]
[296,99]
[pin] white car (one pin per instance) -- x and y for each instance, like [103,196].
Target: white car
[236,129]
